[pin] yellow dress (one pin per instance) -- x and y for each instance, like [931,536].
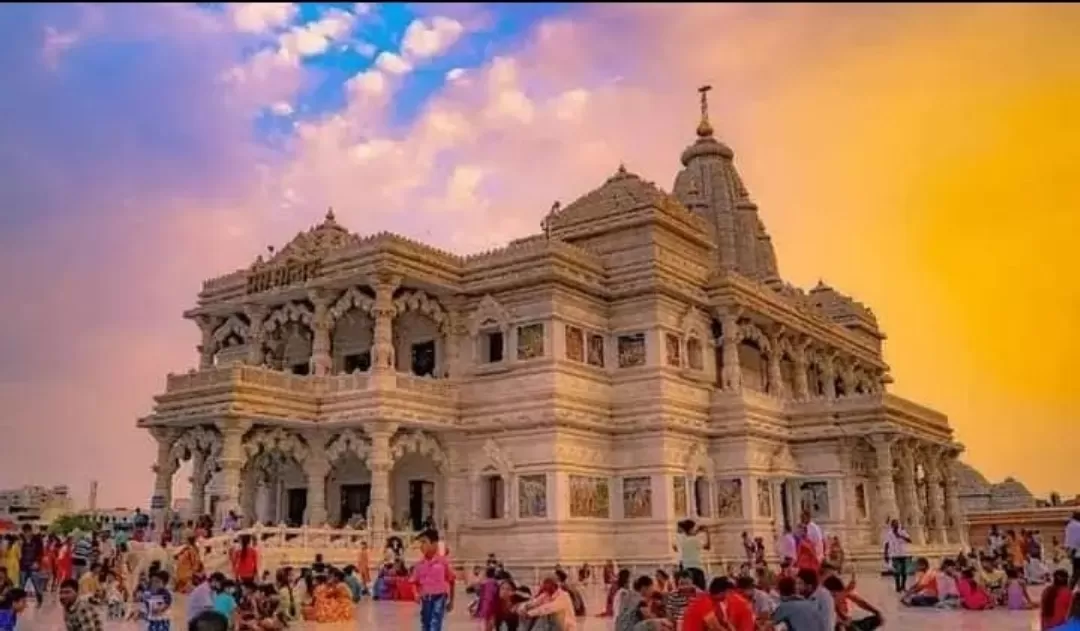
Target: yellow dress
[11,561]
[333,603]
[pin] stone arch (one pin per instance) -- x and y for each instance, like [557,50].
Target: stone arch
[289,336]
[754,348]
[419,302]
[276,441]
[353,298]
[233,326]
[195,440]
[700,474]
[489,314]
[493,464]
[352,331]
[289,312]
[349,442]
[421,443]
[693,338]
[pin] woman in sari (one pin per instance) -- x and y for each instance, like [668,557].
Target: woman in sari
[805,555]
[333,601]
[188,563]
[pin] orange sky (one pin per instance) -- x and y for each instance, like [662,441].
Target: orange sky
[923,158]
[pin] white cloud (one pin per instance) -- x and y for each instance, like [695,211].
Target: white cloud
[424,39]
[392,64]
[282,108]
[261,17]
[455,73]
[315,38]
[363,8]
[570,105]
[461,188]
[365,49]
[369,82]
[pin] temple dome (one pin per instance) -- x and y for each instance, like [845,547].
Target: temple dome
[623,192]
[314,243]
[1011,495]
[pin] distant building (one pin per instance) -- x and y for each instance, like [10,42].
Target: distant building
[34,504]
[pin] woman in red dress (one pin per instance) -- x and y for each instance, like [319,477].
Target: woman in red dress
[64,568]
[805,555]
[48,562]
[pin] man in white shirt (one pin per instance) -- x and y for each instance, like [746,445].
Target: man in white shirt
[1072,546]
[786,547]
[813,532]
[897,539]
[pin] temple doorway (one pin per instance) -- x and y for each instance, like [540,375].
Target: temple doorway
[785,504]
[421,503]
[297,502]
[355,500]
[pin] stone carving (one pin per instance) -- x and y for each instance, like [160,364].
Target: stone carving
[489,314]
[420,302]
[196,440]
[814,499]
[276,442]
[420,443]
[575,344]
[530,341]
[698,462]
[673,350]
[694,354]
[234,326]
[353,298]
[494,457]
[729,504]
[631,350]
[764,499]
[349,442]
[596,350]
[637,497]
[589,497]
[532,496]
[861,510]
[678,489]
[289,312]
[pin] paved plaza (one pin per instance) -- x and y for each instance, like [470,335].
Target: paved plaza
[389,616]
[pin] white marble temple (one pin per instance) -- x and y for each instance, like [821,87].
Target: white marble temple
[385,616]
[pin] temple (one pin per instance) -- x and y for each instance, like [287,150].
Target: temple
[568,397]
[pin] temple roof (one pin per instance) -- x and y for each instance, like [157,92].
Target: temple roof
[314,243]
[969,481]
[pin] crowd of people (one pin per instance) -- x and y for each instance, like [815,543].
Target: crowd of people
[96,578]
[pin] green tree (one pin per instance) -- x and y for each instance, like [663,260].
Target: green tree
[65,524]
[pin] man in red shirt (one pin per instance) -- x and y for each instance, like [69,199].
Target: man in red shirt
[721,609]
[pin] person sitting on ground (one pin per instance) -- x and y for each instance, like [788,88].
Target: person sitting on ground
[576,597]
[353,583]
[1056,600]
[795,612]
[818,596]
[676,601]
[948,590]
[843,598]
[1017,597]
[633,608]
[924,593]
[762,603]
[973,596]
[992,578]
[208,621]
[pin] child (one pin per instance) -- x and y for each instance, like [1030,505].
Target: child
[434,580]
[487,597]
[157,600]
[1016,593]
[114,599]
[90,585]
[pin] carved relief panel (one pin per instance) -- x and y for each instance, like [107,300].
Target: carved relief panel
[631,350]
[672,350]
[575,344]
[532,496]
[861,510]
[589,497]
[530,341]
[678,489]
[764,499]
[637,497]
[814,499]
[694,354]
[729,499]
[596,350]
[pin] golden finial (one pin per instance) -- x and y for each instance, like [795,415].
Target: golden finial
[704,128]
[329,213]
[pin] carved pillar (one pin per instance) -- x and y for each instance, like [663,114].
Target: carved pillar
[198,483]
[316,467]
[956,528]
[382,349]
[163,469]
[776,377]
[232,463]
[256,315]
[731,374]
[249,484]
[847,453]
[913,519]
[455,329]
[802,380]
[320,325]
[381,462]
[935,497]
[885,507]
[828,378]
[206,347]
[847,376]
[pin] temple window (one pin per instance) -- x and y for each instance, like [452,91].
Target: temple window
[694,357]
[492,499]
[357,362]
[841,391]
[423,358]
[301,369]
[753,363]
[631,350]
[492,347]
[595,351]
[672,350]
[575,343]
[530,341]
[701,497]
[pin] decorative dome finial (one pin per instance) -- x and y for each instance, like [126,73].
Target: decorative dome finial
[704,128]
[330,213]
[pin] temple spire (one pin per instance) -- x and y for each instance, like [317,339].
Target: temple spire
[704,128]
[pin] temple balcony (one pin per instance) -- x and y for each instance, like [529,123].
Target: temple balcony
[266,394]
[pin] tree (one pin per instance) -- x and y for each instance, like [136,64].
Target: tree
[66,524]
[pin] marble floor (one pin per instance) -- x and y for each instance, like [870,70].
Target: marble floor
[387,616]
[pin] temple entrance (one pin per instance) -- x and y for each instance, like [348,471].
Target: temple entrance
[421,503]
[355,500]
[297,501]
[785,504]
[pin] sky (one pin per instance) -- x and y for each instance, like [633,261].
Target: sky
[923,158]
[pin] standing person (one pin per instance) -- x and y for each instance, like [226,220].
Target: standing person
[245,561]
[1072,547]
[814,533]
[898,539]
[81,555]
[434,580]
[188,564]
[79,615]
[689,546]
[364,565]
[33,551]
[12,604]
[157,603]
[786,546]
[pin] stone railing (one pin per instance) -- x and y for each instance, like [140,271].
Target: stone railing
[240,374]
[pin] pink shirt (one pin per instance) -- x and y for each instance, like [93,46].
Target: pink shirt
[433,576]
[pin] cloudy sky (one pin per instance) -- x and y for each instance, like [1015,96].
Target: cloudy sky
[924,158]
